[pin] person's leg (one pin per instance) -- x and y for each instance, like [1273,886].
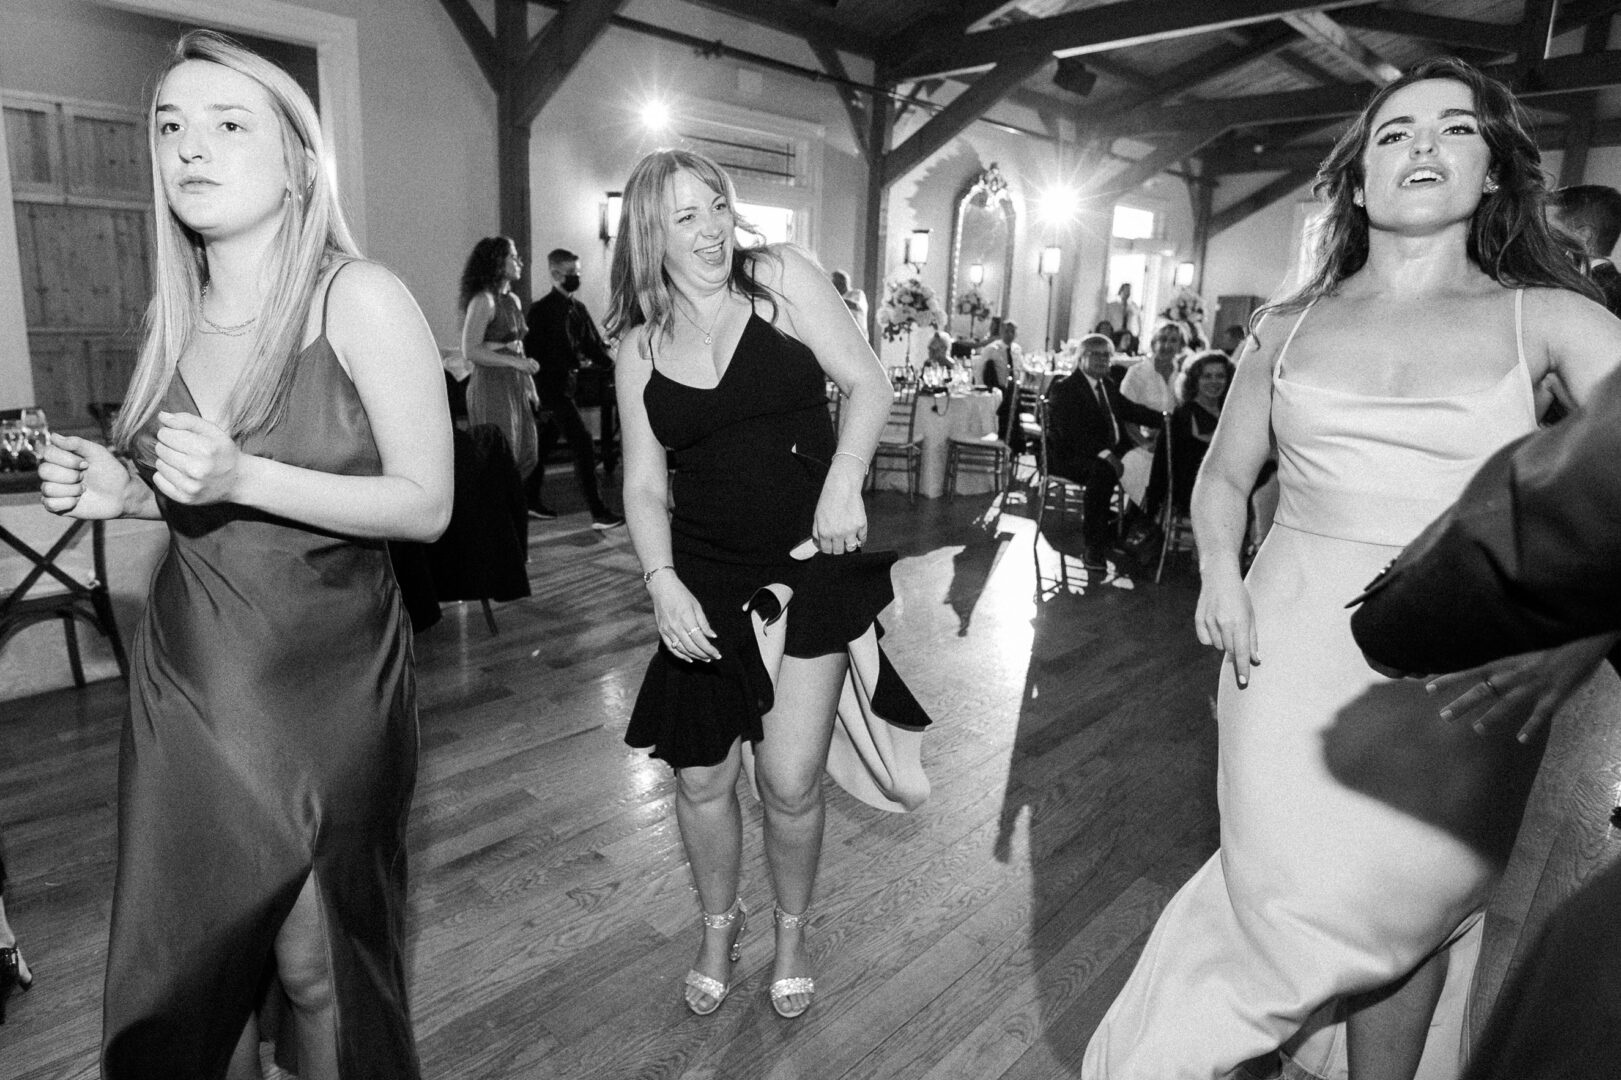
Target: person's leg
[1096,527]
[790,761]
[304,967]
[585,456]
[8,940]
[1385,1032]
[711,822]
[547,433]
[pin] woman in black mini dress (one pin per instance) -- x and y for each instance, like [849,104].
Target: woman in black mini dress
[738,493]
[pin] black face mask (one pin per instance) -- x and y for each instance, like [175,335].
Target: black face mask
[571,282]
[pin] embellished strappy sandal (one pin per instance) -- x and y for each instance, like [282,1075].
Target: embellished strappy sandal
[702,983]
[783,989]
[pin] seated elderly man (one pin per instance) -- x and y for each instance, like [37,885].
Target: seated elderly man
[1086,438]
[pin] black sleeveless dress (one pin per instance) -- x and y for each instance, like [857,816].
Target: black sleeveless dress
[748,458]
[271,736]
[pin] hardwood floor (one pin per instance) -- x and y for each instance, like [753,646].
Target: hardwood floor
[551,916]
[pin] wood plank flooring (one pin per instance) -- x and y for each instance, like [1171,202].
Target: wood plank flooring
[551,916]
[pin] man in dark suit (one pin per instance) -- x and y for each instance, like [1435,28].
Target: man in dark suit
[1528,558]
[562,338]
[1591,214]
[1087,437]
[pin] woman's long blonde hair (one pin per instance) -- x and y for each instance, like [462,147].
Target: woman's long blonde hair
[311,235]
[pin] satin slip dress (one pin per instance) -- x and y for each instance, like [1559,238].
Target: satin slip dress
[1359,832]
[272,736]
[500,395]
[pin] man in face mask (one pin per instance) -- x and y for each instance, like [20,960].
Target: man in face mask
[562,338]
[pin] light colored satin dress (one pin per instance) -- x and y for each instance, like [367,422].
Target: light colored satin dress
[1359,832]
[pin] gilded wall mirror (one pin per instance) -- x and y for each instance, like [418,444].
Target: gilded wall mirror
[982,248]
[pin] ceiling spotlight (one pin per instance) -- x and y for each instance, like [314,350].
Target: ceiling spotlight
[655,115]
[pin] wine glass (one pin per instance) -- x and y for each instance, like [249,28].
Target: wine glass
[34,428]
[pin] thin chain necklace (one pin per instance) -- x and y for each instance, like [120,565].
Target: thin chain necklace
[709,335]
[212,327]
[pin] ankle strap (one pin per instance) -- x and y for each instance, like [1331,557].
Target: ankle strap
[725,918]
[788,919]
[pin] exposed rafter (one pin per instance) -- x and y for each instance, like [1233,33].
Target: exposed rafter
[854,107]
[559,46]
[799,20]
[1322,29]
[1098,29]
[1212,64]
[963,110]
[1561,75]
[1492,37]
[480,42]
[1178,147]
[1536,31]
[1227,217]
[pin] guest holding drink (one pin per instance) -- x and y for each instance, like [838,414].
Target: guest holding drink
[737,493]
[286,418]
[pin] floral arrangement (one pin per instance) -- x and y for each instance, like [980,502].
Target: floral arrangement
[973,304]
[1186,307]
[908,303]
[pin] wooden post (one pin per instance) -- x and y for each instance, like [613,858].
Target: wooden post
[512,132]
[872,254]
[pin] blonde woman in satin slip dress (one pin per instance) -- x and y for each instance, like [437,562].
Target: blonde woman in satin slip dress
[1360,830]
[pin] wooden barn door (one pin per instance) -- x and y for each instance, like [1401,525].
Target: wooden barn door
[81,186]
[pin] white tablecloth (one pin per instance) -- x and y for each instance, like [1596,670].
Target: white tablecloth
[939,417]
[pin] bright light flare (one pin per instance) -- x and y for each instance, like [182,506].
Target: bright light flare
[655,114]
[1059,204]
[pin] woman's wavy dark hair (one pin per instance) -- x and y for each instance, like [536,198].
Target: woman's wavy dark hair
[1195,368]
[1508,236]
[484,268]
[640,290]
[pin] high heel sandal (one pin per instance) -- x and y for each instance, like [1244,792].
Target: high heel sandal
[11,977]
[702,983]
[783,989]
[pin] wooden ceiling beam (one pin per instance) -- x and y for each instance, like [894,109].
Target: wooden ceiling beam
[1536,31]
[1561,75]
[1179,147]
[854,107]
[793,19]
[1321,28]
[1097,29]
[1209,65]
[1254,203]
[560,45]
[963,110]
[480,42]
[1574,13]
[1491,37]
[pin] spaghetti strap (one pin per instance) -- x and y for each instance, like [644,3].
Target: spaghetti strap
[326,300]
[1519,329]
[1277,365]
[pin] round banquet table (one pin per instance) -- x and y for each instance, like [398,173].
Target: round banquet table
[940,416]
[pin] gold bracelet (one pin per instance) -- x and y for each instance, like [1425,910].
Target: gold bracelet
[856,457]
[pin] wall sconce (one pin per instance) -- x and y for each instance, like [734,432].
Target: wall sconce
[976,274]
[917,249]
[612,206]
[1184,275]
[1048,268]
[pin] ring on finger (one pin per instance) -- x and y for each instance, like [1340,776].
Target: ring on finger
[1487,682]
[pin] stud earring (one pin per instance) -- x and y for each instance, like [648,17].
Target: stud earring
[1357,197]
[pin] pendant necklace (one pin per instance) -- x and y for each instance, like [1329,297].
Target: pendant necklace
[212,327]
[709,335]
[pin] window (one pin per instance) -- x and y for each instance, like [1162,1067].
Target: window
[1133,224]
[776,222]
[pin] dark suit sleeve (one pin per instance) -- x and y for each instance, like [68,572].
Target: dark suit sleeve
[1129,411]
[588,343]
[1528,558]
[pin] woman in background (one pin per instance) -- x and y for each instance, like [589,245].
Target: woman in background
[500,390]
[286,418]
[1361,831]
[736,490]
[1204,390]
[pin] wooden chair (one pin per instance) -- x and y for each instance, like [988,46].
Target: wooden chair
[899,448]
[87,602]
[1176,521]
[1026,415]
[981,454]
[1069,493]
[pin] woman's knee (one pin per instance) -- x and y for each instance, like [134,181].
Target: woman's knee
[708,785]
[302,962]
[792,796]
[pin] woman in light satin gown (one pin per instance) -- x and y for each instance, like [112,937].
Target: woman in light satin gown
[1361,825]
